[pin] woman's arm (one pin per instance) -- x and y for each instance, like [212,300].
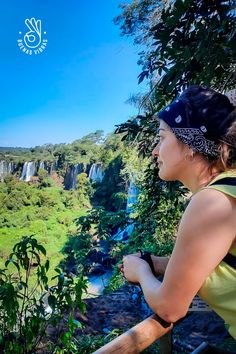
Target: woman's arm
[206,232]
[160,264]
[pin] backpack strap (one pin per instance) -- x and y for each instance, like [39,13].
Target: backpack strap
[230,259]
[228,181]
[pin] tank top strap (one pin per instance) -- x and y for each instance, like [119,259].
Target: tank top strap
[226,183]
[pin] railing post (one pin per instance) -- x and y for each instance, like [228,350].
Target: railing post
[166,343]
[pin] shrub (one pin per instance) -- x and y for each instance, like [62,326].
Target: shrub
[24,317]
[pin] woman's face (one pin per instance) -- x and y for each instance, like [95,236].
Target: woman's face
[170,154]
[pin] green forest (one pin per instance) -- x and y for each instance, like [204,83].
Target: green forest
[48,233]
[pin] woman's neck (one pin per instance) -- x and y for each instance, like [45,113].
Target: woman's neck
[199,176]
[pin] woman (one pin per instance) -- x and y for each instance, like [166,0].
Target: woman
[197,146]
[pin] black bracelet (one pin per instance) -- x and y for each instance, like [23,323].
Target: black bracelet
[147,257]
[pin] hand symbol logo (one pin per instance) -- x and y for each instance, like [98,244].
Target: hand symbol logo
[32,38]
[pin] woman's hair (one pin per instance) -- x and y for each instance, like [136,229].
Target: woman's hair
[220,116]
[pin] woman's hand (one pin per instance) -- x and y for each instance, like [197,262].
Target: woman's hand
[132,268]
[121,265]
[160,263]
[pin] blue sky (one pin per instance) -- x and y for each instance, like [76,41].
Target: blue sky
[77,85]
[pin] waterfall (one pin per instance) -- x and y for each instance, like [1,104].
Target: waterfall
[29,170]
[74,176]
[96,173]
[6,168]
[72,171]
[79,168]
[52,167]
[132,198]
[2,170]
[10,168]
[42,165]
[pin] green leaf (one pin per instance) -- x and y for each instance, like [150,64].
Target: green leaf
[41,249]
[78,324]
[12,261]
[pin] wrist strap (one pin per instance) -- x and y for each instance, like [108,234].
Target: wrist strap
[147,257]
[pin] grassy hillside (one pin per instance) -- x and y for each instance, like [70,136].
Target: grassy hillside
[48,213]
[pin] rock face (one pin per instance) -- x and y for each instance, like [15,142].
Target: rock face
[72,172]
[202,327]
[115,310]
[99,262]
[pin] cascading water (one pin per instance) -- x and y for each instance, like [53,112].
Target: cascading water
[96,283]
[74,176]
[132,198]
[5,169]
[96,173]
[52,168]
[29,170]
[41,165]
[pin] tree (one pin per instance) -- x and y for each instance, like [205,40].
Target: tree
[107,193]
[138,17]
[96,138]
[24,317]
[186,42]
[183,42]
[191,41]
[84,189]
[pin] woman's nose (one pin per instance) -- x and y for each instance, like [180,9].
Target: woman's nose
[155,151]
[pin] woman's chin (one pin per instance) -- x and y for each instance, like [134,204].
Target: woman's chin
[161,174]
[165,176]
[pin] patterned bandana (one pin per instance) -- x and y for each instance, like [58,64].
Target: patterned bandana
[190,130]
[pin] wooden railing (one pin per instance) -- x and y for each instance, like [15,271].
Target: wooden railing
[140,337]
[145,333]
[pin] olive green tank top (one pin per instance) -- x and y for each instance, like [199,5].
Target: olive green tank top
[219,289]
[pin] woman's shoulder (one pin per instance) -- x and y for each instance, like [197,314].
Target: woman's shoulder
[210,195]
[210,208]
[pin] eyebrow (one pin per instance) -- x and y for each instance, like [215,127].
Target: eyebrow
[159,129]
